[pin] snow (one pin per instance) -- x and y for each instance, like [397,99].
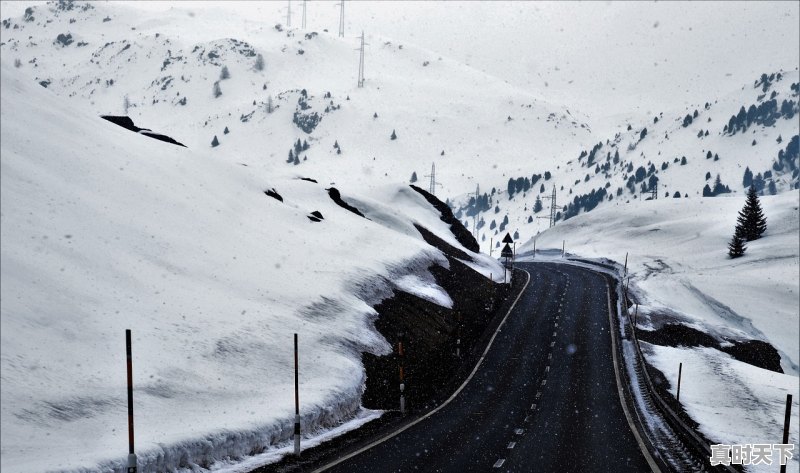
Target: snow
[104,229]
[735,403]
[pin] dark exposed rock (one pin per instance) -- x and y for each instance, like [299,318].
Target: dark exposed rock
[127,123]
[336,196]
[462,234]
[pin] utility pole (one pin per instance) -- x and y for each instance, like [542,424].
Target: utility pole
[304,14]
[341,20]
[553,207]
[361,62]
[432,175]
[289,15]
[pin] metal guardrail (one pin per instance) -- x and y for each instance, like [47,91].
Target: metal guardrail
[698,443]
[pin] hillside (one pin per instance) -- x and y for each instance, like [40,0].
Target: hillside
[104,230]
[679,153]
[435,105]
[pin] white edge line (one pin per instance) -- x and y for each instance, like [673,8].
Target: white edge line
[642,447]
[453,396]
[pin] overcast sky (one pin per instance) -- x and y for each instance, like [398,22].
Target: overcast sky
[601,58]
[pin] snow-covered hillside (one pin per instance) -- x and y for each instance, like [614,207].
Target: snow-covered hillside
[435,105]
[104,230]
[677,153]
[681,274]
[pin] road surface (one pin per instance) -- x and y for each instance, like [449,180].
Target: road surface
[544,399]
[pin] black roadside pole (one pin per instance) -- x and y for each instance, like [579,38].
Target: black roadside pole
[129,358]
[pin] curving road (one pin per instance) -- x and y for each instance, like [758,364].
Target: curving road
[544,399]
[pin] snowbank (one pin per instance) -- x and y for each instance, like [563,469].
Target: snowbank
[103,230]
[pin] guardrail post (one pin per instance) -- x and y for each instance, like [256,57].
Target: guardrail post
[786,421]
[678,395]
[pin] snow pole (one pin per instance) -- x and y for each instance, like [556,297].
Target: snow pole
[402,375]
[626,263]
[786,421]
[678,395]
[563,247]
[490,246]
[131,456]
[635,316]
[534,248]
[296,402]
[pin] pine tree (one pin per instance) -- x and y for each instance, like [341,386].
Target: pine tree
[217,90]
[537,206]
[394,135]
[259,65]
[224,74]
[414,177]
[747,180]
[226,131]
[214,142]
[290,158]
[751,223]
[736,247]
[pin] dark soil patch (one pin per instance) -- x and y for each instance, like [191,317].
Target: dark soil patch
[336,196]
[274,194]
[462,234]
[430,333]
[127,123]
[753,352]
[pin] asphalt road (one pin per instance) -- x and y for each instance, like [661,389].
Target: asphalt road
[543,400]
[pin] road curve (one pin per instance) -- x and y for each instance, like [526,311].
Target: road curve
[544,399]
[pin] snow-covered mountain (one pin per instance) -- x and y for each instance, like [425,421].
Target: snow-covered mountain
[102,227]
[434,105]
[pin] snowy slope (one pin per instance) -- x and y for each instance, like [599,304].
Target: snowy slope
[434,104]
[681,273]
[607,166]
[104,230]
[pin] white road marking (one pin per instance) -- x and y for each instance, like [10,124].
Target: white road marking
[519,431]
[549,356]
[547,368]
[552,343]
[499,463]
[544,381]
[511,445]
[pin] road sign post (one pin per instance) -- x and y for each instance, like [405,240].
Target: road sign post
[680,370]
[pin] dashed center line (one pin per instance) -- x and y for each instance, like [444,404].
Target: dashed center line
[544,381]
[552,343]
[499,463]
[511,445]
[547,368]
[519,431]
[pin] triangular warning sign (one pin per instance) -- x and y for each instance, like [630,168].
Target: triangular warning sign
[508,239]
[506,252]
